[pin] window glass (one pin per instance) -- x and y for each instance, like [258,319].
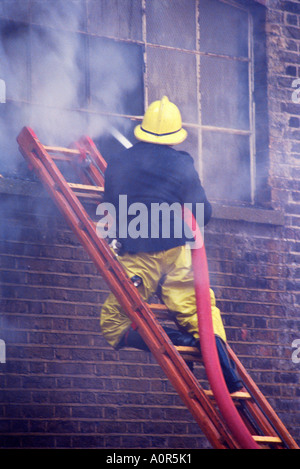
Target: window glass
[60,14]
[226,160]
[223,28]
[174,73]
[171,23]
[116,18]
[17,10]
[224,87]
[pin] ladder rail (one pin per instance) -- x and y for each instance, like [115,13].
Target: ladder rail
[207,340]
[160,345]
[262,402]
[95,163]
[260,405]
[183,380]
[89,145]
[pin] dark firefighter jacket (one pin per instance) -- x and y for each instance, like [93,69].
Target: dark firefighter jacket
[152,174]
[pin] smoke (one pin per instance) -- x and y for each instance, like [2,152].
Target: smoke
[58,78]
[57,85]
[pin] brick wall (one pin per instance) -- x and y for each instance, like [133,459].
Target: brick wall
[62,386]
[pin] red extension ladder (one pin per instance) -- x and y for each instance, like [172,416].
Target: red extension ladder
[265,428]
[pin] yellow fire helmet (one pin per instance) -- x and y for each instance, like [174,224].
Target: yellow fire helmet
[161,124]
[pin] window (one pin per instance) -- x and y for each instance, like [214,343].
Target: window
[210,74]
[226,100]
[90,66]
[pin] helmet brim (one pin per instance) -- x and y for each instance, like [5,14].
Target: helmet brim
[170,139]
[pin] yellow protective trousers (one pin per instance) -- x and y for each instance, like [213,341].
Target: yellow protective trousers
[174,268]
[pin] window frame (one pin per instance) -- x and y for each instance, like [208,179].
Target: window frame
[260,192]
[199,126]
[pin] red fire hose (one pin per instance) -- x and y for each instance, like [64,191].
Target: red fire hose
[207,341]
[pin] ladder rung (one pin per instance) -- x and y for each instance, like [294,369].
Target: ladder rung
[189,350]
[235,395]
[160,311]
[84,190]
[267,439]
[62,158]
[158,307]
[64,151]
[189,353]
[85,187]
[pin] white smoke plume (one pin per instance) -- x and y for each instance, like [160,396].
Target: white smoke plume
[57,79]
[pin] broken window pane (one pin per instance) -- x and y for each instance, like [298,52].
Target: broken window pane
[58,73]
[14,43]
[116,76]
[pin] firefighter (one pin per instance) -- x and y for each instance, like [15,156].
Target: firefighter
[153,172]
